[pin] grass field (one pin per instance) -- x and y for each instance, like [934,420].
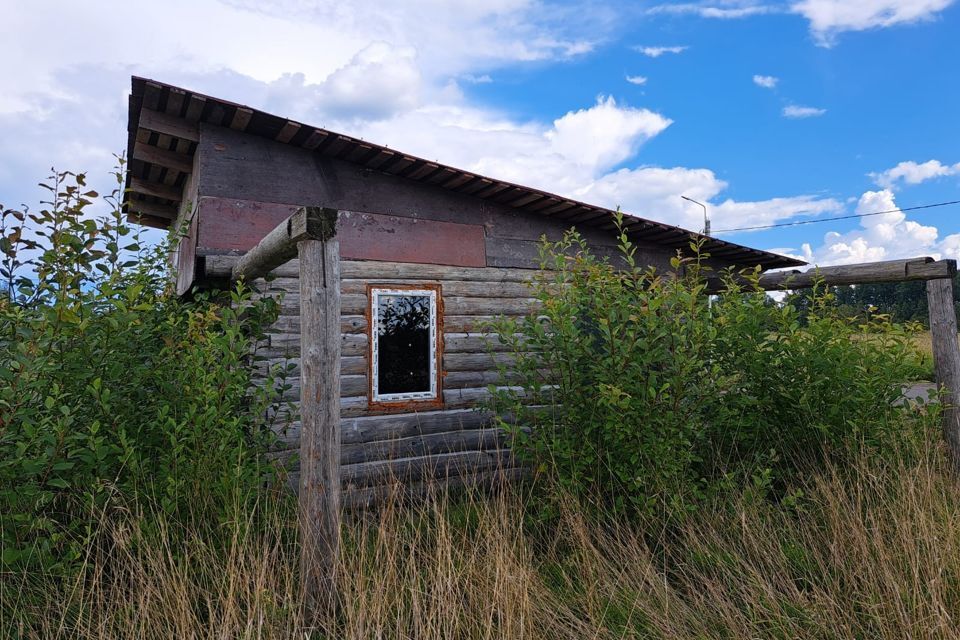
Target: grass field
[871,551]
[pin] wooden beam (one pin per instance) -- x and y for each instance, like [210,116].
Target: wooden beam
[316,137]
[155,189]
[866,273]
[946,360]
[241,118]
[280,245]
[170,159]
[320,417]
[287,132]
[165,211]
[149,221]
[557,208]
[195,108]
[171,126]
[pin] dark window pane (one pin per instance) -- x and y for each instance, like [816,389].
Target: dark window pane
[403,344]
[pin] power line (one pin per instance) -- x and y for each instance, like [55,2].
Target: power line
[835,218]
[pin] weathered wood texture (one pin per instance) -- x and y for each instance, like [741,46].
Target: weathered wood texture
[281,245]
[946,358]
[924,268]
[319,408]
[255,170]
[230,224]
[421,443]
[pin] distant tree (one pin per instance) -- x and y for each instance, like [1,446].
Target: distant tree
[902,301]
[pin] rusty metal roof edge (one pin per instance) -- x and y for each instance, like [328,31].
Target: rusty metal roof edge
[766,259]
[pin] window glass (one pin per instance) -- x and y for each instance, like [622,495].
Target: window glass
[404,339]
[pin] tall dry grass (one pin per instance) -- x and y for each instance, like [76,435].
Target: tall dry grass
[870,551]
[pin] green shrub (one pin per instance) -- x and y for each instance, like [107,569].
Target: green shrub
[111,386]
[635,391]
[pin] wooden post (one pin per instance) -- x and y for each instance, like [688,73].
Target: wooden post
[946,360]
[320,419]
[311,234]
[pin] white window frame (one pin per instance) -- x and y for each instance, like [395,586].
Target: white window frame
[375,294]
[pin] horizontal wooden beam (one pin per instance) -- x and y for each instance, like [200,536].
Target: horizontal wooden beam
[166,211]
[170,125]
[912,269]
[149,221]
[288,131]
[162,157]
[155,189]
[241,118]
[280,245]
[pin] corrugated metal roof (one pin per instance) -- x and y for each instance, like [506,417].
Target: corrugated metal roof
[158,149]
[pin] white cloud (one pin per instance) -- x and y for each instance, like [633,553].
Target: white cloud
[888,236]
[911,172]
[379,80]
[654,192]
[656,52]
[287,37]
[475,79]
[797,111]
[767,82]
[638,80]
[724,9]
[829,18]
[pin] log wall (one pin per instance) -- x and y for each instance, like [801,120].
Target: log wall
[415,443]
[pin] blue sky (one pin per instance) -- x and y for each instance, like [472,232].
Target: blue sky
[771,112]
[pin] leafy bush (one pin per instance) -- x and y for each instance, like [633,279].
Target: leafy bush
[659,397]
[111,386]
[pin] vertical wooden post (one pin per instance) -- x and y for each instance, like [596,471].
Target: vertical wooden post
[946,360]
[320,419]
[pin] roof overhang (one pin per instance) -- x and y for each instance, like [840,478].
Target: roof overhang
[163,131]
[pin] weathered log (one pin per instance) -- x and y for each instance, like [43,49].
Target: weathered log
[358,324]
[320,394]
[946,360]
[925,268]
[220,266]
[373,428]
[476,361]
[360,498]
[422,445]
[357,304]
[280,245]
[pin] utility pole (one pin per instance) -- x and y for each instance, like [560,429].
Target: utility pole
[706,217]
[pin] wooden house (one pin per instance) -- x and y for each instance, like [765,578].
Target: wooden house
[428,252]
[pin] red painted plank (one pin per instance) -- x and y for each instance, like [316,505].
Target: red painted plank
[370,236]
[227,224]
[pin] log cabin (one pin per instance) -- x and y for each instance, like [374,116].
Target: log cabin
[428,253]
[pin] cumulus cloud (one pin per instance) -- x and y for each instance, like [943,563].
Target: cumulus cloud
[379,80]
[829,18]
[797,111]
[888,236]
[654,192]
[767,82]
[911,172]
[656,52]
[638,80]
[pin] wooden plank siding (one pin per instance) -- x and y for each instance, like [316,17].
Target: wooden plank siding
[454,440]
[274,178]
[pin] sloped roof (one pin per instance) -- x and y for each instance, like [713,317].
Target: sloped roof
[163,131]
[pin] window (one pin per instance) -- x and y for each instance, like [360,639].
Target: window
[403,344]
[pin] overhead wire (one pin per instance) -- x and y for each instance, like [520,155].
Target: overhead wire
[835,218]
